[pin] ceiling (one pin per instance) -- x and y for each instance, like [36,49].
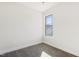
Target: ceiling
[39,6]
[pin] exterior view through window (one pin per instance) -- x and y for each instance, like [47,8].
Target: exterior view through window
[49,25]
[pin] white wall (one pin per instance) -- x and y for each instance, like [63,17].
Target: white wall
[66,27]
[20,27]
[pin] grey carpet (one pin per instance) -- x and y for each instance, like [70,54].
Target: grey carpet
[36,51]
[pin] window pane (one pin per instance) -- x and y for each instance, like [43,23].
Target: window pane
[48,20]
[48,31]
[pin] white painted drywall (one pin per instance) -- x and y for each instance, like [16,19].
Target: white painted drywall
[19,27]
[66,27]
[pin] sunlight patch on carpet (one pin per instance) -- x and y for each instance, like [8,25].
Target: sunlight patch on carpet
[44,54]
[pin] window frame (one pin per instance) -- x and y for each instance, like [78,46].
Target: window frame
[49,25]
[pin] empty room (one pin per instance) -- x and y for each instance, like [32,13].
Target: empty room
[39,29]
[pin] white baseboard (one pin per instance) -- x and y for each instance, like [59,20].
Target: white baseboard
[20,47]
[31,44]
[49,43]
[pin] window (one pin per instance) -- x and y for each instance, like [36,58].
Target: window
[49,25]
